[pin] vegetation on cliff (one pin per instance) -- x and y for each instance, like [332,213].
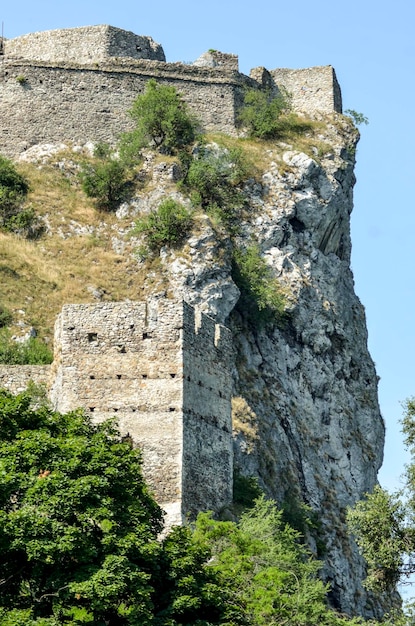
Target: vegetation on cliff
[92,252]
[78,538]
[384,523]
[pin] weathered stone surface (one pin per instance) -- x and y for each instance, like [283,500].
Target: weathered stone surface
[84,81]
[87,44]
[164,371]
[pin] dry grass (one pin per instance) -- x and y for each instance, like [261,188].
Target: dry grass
[244,420]
[72,258]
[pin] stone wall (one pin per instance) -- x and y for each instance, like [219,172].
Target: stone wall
[77,85]
[88,44]
[313,89]
[129,360]
[16,378]
[207,424]
[91,103]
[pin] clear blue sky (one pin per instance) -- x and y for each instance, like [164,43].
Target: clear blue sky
[372,48]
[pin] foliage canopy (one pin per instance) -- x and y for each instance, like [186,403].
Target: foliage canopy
[162,119]
[78,540]
[384,523]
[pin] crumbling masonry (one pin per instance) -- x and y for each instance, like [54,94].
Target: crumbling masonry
[84,80]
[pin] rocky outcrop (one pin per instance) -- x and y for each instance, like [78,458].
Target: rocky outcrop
[308,422]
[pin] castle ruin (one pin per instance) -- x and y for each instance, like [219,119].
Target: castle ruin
[83,81]
[163,371]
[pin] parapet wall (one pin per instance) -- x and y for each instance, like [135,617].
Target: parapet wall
[88,44]
[77,85]
[312,89]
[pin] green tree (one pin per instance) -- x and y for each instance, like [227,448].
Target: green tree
[78,526]
[162,120]
[269,574]
[384,523]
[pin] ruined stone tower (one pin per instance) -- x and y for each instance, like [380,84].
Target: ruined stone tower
[163,372]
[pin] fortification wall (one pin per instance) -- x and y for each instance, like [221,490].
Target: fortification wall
[116,360]
[77,85]
[207,421]
[314,89]
[128,360]
[87,44]
[42,102]
[16,378]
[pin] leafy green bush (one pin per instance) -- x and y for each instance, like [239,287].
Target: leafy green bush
[26,224]
[214,178]
[162,120]
[13,191]
[267,571]
[167,226]
[105,179]
[262,112]
[31,352]
[262,299]
[266,116]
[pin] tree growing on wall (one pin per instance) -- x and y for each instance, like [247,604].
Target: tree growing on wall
[162,120]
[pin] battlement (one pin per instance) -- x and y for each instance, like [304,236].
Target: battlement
[163,370]
[83,81]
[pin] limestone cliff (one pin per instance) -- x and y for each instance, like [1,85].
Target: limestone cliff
[307,419]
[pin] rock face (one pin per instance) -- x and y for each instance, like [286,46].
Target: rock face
[307,419]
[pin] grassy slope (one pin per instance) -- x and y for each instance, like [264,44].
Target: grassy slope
[40,276]
[76,253]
